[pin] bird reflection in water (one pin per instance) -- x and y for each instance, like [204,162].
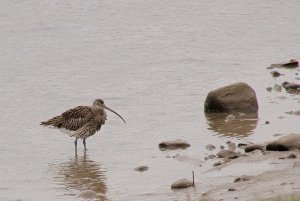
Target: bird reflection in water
[238,125]
[83,175]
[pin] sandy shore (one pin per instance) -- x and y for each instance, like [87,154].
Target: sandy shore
[269,175]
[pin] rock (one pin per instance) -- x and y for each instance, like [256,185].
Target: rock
[267,122]
[217,163]
[290,85]
[277,88]
[291,141]
[239,97]
[176,144]
[231,146]
[211,156]
[294,112]
[227,154]
[181,183]
[210,147]
[290,64]
[242,145]
[291,156]
[275,73]
[142,168]
[222,147]
[232,189]
[269,89]
[252,147]
[242,178]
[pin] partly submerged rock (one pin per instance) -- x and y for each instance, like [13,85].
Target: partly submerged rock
[291,141]
[290,85]
[242,178]
[253,147]
[210,147]
[291,156]
[181,183]
[142,168]
[275,73]
[176,144]
[238,97]
[290,64]
[277,88]
[217,163]
[227,154]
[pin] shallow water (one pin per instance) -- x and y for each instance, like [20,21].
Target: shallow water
[153,62]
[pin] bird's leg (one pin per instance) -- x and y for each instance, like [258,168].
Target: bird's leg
[84,144]
[75,142]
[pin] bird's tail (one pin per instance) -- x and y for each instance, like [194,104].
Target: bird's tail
[55,122]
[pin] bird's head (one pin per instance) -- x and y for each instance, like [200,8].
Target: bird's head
[100,103]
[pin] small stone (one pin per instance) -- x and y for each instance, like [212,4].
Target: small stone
[231,146]
[217,163]
[252,147]
[277,88]
[142,168]
[241,145]
[267,122]
[291,156]
[231,189]
[269,89]
[222,147]
[227,154]
[181,183]
[211,156]
[210,147]
[242,178]
[275,73]
[176,144]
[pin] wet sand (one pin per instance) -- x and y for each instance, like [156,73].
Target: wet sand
[269,177]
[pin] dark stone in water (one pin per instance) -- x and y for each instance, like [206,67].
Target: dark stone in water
[142,168]
[290,64]
[291,156]
[211,156]
[181,183]
[176,144]
[210,147]
[217,163]
[227,154]
[242,178]
[252,147]
[275,74]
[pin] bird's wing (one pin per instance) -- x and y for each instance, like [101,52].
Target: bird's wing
[75,118]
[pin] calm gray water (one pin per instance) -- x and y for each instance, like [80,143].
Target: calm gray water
[153,62]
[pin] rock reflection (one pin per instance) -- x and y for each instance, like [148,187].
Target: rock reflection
[83,175]
[232,125]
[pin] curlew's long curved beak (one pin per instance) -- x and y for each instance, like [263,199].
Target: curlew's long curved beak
[114,112]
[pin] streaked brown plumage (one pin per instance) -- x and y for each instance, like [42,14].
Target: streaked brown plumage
[81,121]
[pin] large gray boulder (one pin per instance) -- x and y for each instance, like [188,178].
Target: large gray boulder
[238,97]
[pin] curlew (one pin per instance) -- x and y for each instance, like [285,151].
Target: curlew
[81,121]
